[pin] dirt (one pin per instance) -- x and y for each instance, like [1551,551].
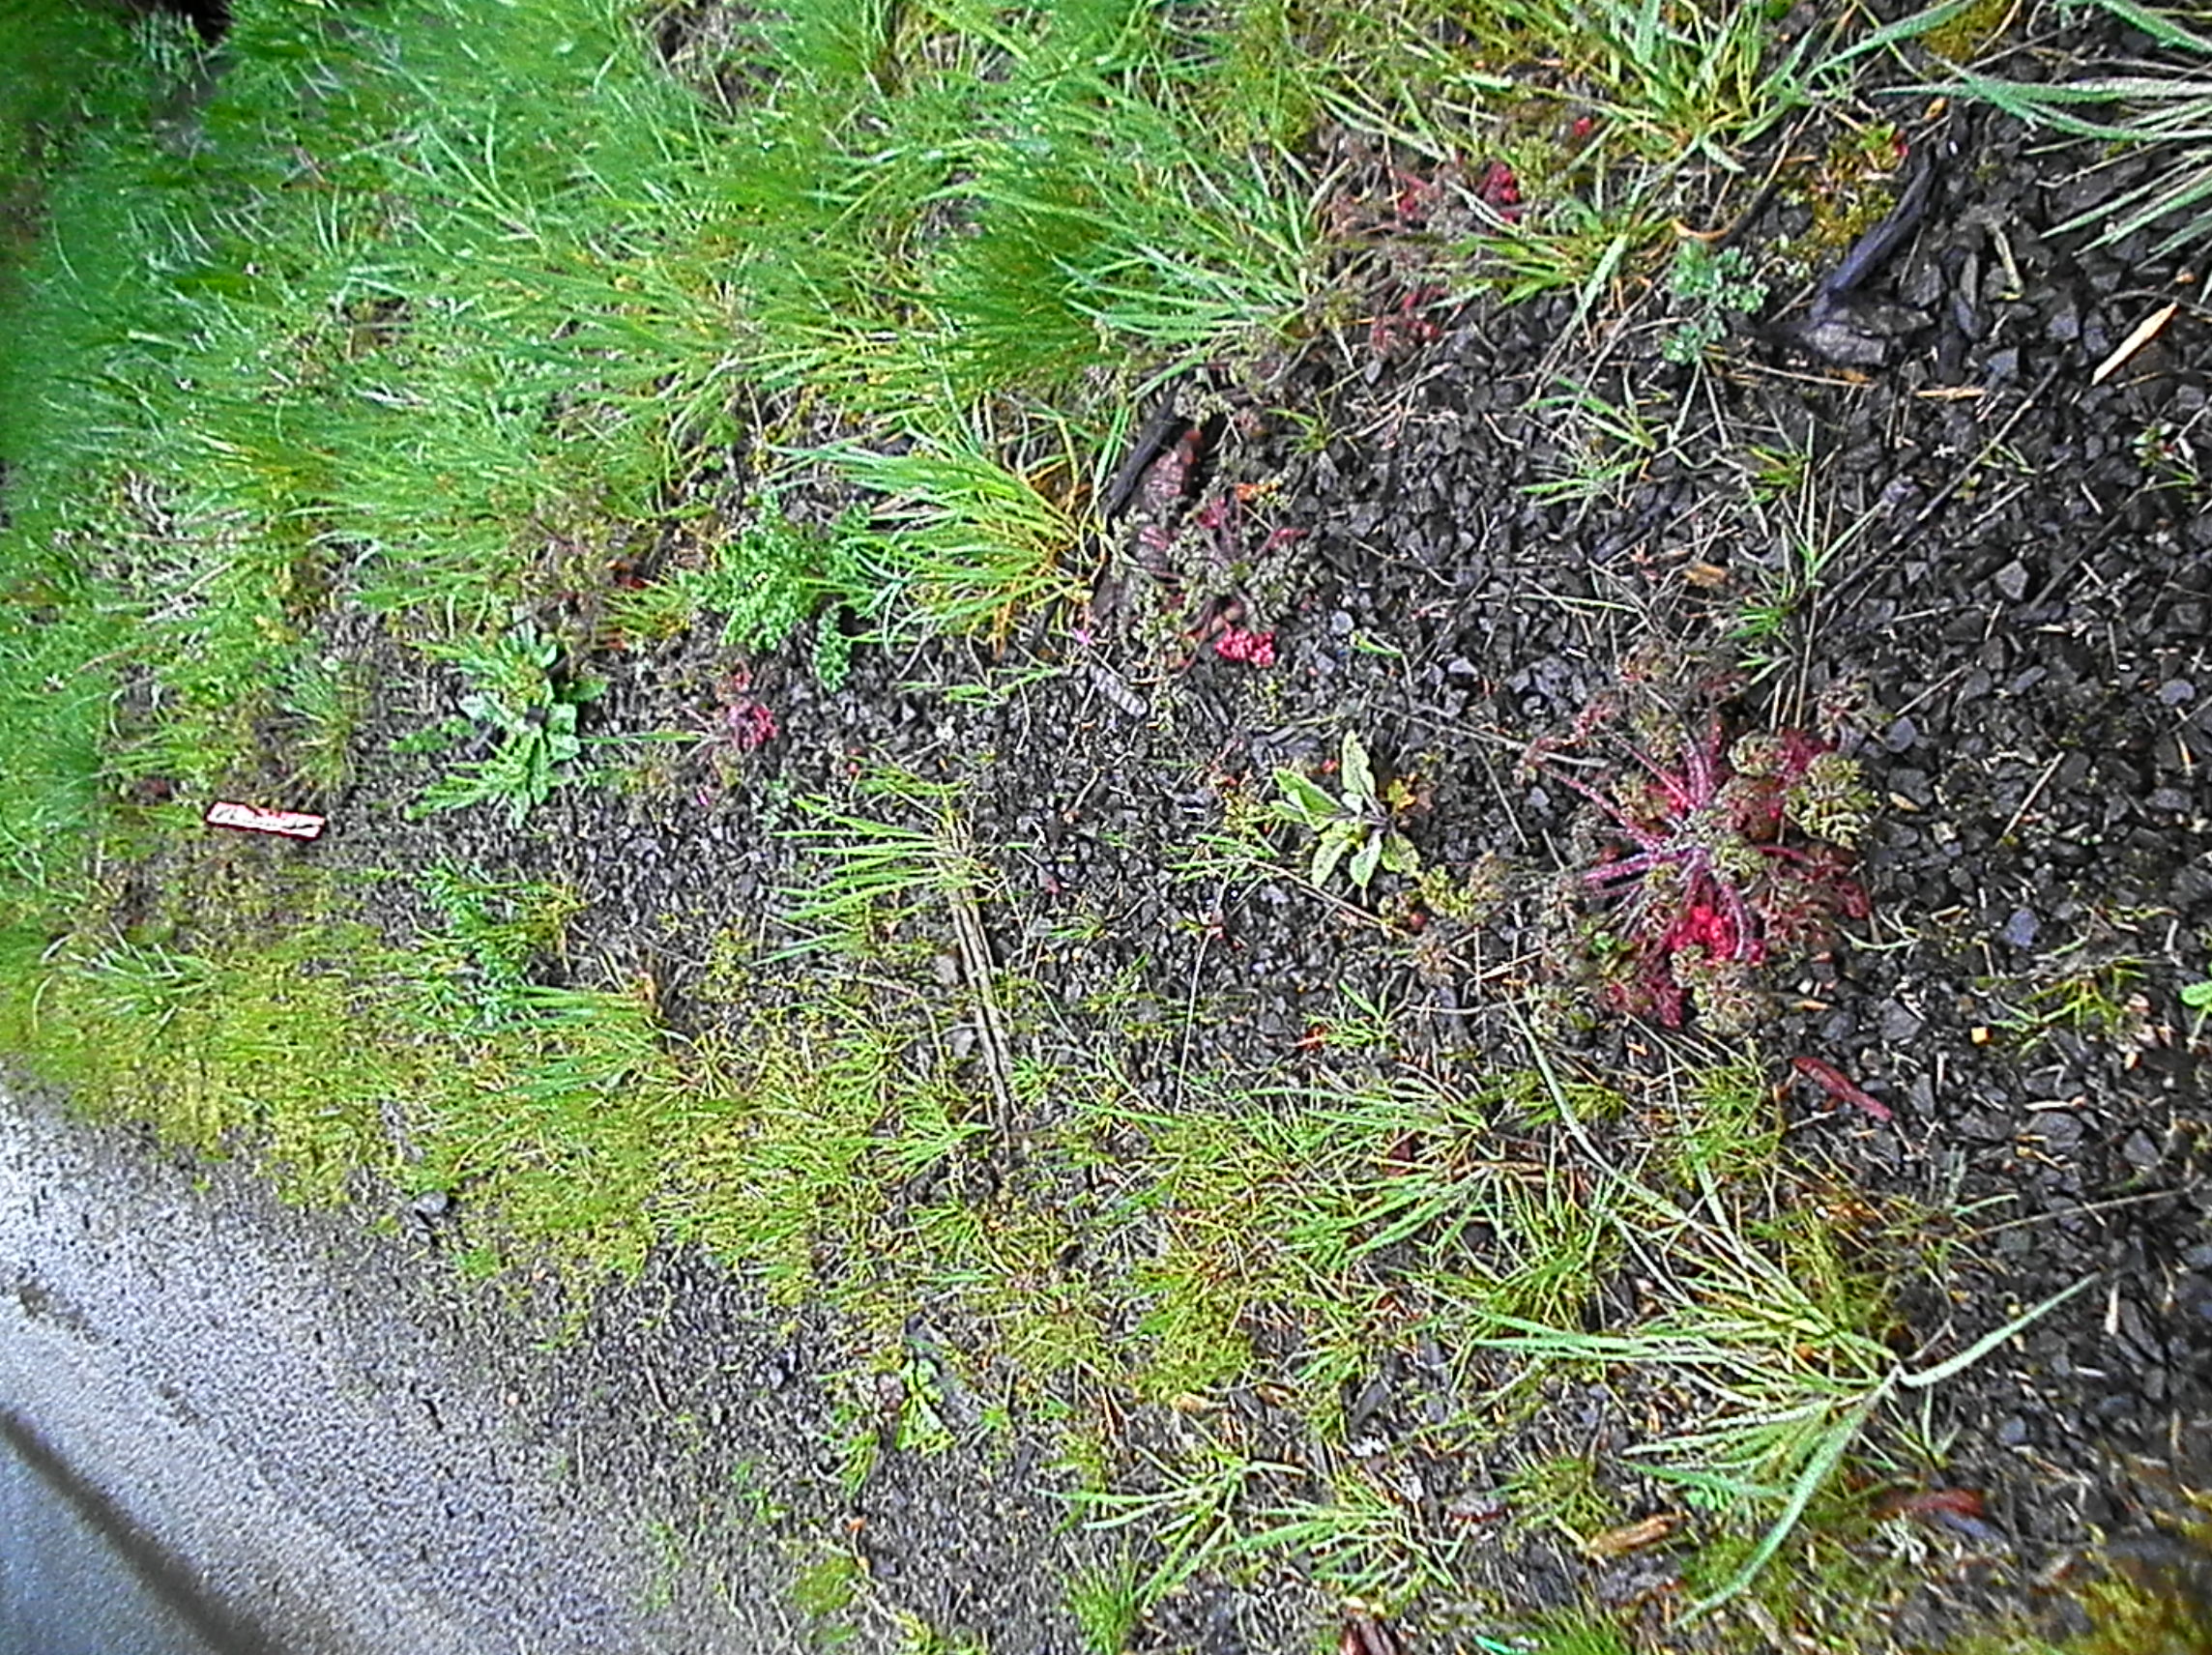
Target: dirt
[2017,631]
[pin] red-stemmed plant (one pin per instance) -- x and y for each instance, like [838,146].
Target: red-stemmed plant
[1705,860]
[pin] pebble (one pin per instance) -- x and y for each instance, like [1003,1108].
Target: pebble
[1914,786]
[2011,580]
[1899,1022]
[2062,1130]
[2022,928]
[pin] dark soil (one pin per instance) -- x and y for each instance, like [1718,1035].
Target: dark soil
[2016,640]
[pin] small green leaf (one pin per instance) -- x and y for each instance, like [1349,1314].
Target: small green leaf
[1363,864]
[1359,773]
[2197,995]
[1306,802]
[1399,855]
[1334,842]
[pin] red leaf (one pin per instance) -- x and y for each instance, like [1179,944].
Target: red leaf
[1840,1085]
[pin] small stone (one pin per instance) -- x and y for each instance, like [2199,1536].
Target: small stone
[2021,929]
[1916,787]
[1900,735]
[2174,691]
[1899,1023]
[2011,580]
[2060,1130]
[2141,1150]
[2013,1432]
[1374,1397]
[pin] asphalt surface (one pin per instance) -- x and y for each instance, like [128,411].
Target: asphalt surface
[305,1438]
[72,1583]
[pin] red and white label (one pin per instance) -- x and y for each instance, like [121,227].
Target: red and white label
[251,819]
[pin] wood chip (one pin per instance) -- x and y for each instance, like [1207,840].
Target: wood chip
[1631,1538]
[2144,332]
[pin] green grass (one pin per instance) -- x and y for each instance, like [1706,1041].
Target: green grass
[1107,1604]
[458,308]
[879,883]
[420,317]
[1677,83]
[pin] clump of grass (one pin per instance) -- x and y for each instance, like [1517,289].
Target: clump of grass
[880,880]
[1773,1329]
[1675,83]
[1106,1603]
[957,539]
[2158,108]
[1728,1127]
[261,1050]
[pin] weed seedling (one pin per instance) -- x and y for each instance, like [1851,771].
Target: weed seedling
[1355,823]
[1691,882]
[519,704]
[740,724]
[1707,288]
[2197,998]
[2097,999]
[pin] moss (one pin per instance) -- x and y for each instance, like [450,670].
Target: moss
[2147,1596]
[1971,31]
[1849,192]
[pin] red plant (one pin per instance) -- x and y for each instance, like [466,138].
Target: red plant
[1695,882]
[1840,1085]
[1253,649]
[1394,331]
[738,724]
[1500,192]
